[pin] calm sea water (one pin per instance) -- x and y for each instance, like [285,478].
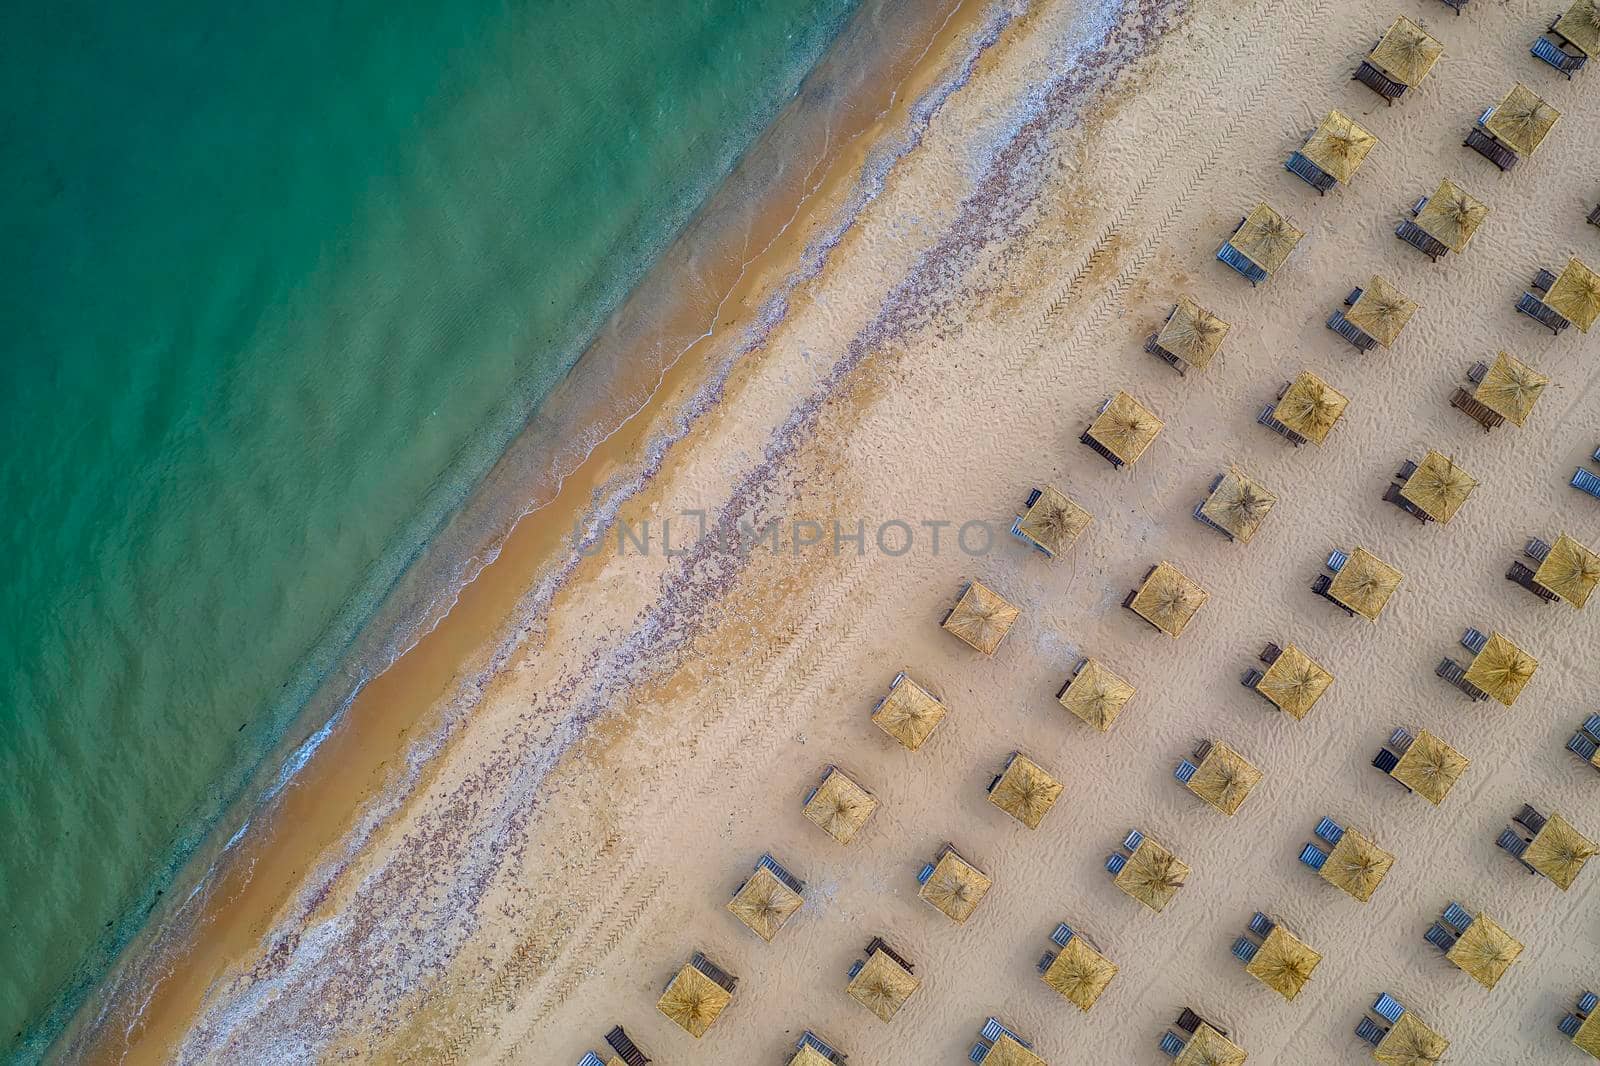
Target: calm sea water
[281,284]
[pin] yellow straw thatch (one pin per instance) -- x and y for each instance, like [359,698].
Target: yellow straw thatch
[1410,1043]
[1430,767]
[1295,682]
[1097,695]
[694,1001]
[1266,238]
[1365,584]
[1587,1038]
[1576,294]
[1501,669]
[1193,334]
[1007,1052]
[1054,522]
[1283,963]
[810,1056]
[956,887]
[1406,52]
[765,904]
[1522,120]
[1080,973]
[1239,504]
[1025,791]
[1559,851]
[1338,145]
[1451,216]
[840,806]
[1570,570]
[1580,24]
[909,714]
[882,986]
[1485,951]
[1510,388]
[1224,779]
[1381,311]
[1126,427]
[1210,1048]
[982,617]
[1153,875]
[1356,865]
[1439,486]
[1168,599]
[1310,407]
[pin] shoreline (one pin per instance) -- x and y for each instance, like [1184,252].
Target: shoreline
[378,749]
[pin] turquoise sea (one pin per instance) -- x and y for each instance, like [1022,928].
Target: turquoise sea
[282,284]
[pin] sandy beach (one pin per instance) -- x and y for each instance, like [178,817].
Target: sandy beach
[617,732]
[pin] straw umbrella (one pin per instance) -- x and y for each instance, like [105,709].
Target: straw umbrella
[1570,570]
[1511,388]
[1239,504]
[1025,791]
[1096,695]
[1410,1043]
[956,887]
[1576,294]
[1080,973]
[1126,427]
[882,986]
[982,618]
[810,1056]
[1356,865]
[1295,682]
[1283,963]
[1451,216]
[1522,120]
[1406,52]
[1193,334]
[1580,24]
[1169,599]
[694,1001]
[1310,407]
[1485,951]
[1559,851]
[1365,584]
[1054,522]
[1338,145]
[1006,1051]
[1224,779]
[1153,875]
[1266,238]
[1381,311]
[840,807]
[1430,767]
[1587,1038]
[765,904]
[1210,1048]
[1501,669]
[1439,486]
[909,714]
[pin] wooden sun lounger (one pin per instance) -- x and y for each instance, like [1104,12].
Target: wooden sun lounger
[1268,418]
[713,971]
[1480,140]
[1161,353]
[1522,574]
[1348,330]
[1463,401]
[1379,82]
[626,1050]
[1584,481]
[1239,261]
[1310,173]
[1421,240]
[1542,313]
[1456,674]
[1559,52]
[1594,216]
[1320,587]
[1391,494]
[1100,449]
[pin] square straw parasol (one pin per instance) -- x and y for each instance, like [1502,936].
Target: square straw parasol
[1511,388]
[1097,695]
[982,618]
[883,986]
[1356,865]
[1239,504]
[1054,522]
[1169,599]
[1576,294]
[1570,570]
[1559,851]
[1126,428]
[1451,216]
[1295,682]
[909,714]
[1266,238]
[1382,310]
[1430,767]
[1224,779]
[1080,973]
[1406,52]
[1365,584]
[1439,486]
[1522,120]
[1283,963]
[1485,951]
[1501,669]
[1310,407]
[1153,875]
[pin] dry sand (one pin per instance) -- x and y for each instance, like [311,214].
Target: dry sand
[997,288]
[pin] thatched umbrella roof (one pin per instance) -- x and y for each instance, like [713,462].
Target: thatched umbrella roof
[1576,294]
[1356,865]
[1310,407]
[1587,1038]
[840,807]
[1097,695]
[1580,24]
[1570,570]
[1210,1048]
[1430,767]
[1522,120]
[909,714]
[1193,334]
[1239,504]
[1295,682]
[1511,388]
[1365,584]
[765,904]
[1168,599]
[1007,1052]
[1153,875]
[982,618]
[1501,669]
[1080,973]
[883,985]
[1025,791]
[956,887]
[694,1001]
[1410,1043]
[1224,779]
[810,1056]
[1283,963]
[1406,52]
[1266,238]
[1338,145]
[1485,951]
[1054,522]
[1451,216]
[1382,310]
[1439,486]
[1559,851]
[1126,427]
